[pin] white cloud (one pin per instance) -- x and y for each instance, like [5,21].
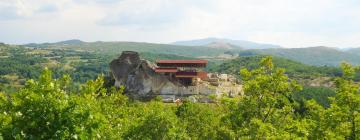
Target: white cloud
[290,23]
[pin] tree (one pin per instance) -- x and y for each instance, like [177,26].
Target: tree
[44,110]
[314,117]
[159,122]
[344,114]
[199,120]
[49,108]
[267,104]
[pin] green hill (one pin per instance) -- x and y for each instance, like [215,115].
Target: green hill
[354,51]
[118,47]
[313,55]
[293,69]
[320,56]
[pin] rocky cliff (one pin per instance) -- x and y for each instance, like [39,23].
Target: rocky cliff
[138,76]
[141,81]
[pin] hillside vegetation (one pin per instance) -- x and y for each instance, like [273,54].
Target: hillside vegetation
[118,47]
[48,108]
[294,69]
[354,51]
[302,73]
[320,56]
[19,63]
[69,100]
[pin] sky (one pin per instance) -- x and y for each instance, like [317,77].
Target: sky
[289,23]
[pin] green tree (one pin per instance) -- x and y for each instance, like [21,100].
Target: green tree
[319,94]
[200,120]
[344,114]
[49,108]
[159,122]
[314,118]
[44,110]
[266,110]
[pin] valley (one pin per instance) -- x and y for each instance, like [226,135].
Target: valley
[78,76]
[84,61]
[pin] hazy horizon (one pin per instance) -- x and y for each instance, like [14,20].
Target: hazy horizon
[288,23]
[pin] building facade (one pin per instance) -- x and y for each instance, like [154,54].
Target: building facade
[187,72]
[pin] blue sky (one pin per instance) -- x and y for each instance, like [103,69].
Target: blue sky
[289,23]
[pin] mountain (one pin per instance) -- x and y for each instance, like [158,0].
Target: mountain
[353,51]
[223,45]
[312,55]
[60,43]
[117,47]
[239,43]
[70,42]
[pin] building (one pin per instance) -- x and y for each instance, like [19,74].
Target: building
[187,72]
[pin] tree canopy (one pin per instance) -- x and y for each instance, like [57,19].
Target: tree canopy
[49,108]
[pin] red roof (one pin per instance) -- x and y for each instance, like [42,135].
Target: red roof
[166,70]
[182,61]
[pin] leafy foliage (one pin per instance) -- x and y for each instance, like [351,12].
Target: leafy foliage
[48,108]
[22,65]
[319,94]
[267,105]
[345,106]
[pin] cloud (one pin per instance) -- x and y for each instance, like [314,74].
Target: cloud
[22,9]
[290,23]
[8,13]
[10,10]
[47,8]
[144,14]
[97,1]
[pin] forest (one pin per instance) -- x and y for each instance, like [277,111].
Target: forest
[49,108]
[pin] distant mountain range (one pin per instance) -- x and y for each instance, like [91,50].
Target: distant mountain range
[214,48]
[229,42]
[70,42]
[313,55]
[353,51]
[66,42]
